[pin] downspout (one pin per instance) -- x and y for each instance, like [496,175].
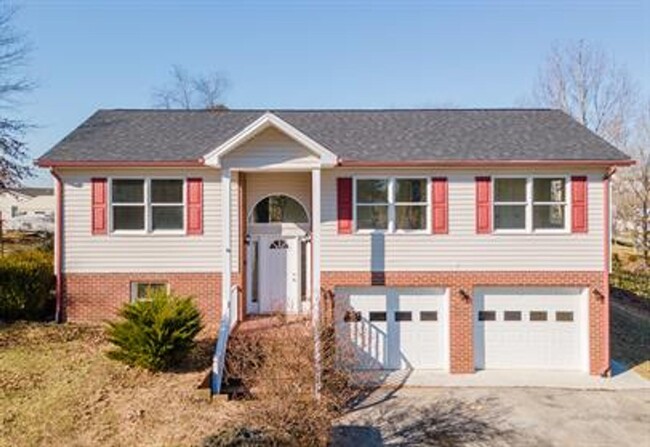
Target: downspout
[607,229]
[58,246]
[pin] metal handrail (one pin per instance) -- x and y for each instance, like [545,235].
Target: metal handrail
[228,321]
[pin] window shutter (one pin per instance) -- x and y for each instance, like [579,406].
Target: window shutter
[440,207]
[483,205]
[579,204]
[194,206]
[344,199]
[99,204]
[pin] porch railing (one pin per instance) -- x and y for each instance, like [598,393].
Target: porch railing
[228,322]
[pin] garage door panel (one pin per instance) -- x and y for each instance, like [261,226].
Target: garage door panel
[404,340]
[546,328]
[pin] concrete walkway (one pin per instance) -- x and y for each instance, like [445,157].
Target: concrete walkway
[628,380]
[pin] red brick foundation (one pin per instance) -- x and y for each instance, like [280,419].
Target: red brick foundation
[460,283]
[96,297]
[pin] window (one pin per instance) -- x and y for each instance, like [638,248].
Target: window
[538,315]
[147,205]
[166,204]
[377,316]
[564,316]
[372,204]
[512,315]
[549,203]
[487,315]
[279,209]
[391,204]
[527,204]
[428,315]
[142,290]
[403,316]
[510,203]
[128,204]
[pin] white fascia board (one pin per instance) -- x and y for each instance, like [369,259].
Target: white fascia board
[213,158]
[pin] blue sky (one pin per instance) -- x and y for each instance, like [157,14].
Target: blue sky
[309,54]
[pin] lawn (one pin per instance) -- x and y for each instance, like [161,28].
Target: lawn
[58,388]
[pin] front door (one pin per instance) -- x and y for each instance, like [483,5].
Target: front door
[278,287]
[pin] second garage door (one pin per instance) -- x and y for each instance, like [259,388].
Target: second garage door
[531,328]
[393,328]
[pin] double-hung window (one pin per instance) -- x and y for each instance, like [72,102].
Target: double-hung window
[147,205]
[391,204]
[529,204]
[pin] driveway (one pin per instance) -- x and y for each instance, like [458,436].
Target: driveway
[498,417]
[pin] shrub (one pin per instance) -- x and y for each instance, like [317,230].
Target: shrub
[239,435]
[155,333]
[27,285]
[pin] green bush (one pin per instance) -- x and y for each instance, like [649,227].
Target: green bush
[155,333]
[27,286]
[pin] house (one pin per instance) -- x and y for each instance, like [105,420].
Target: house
[28,209]
[449,239]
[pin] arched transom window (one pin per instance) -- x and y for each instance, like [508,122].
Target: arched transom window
[279,209]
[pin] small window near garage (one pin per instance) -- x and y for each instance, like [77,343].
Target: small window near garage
[144,290]
[538,315]
[352,316]
[428,315]
[487,315]
[403,316]
[563,316]
[512,315]
[377,316]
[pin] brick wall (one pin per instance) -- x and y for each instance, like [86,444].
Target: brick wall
[462,350]
[96,297]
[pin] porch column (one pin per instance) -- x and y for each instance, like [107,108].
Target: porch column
[225,232]
[315,283]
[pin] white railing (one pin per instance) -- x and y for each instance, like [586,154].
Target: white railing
[228,321]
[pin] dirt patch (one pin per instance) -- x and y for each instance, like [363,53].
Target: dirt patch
[58,388]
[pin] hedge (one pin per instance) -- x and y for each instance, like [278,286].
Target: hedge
[27,286]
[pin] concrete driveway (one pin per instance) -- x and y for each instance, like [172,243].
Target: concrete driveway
[498,417]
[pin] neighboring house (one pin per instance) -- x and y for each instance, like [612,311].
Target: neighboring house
[28,209]
[449,239]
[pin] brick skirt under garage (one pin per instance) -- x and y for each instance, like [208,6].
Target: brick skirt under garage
[462,285]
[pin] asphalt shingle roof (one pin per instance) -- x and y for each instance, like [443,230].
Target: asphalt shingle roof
[363,135]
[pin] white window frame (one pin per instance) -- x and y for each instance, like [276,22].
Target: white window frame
[392,204]
[134,289]
[148,213]
[530,203]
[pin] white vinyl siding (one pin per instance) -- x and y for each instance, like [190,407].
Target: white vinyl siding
[462,248]
[271,149]
[84,252]
[293,184]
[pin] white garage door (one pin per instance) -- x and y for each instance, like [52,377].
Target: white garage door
[531,328]
[390,328]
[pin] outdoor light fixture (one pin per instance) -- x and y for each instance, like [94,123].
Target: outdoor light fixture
[465,295]
[247,239]
[599,294]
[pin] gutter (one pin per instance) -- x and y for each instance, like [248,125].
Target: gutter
[484,163]
[58,246]
[41,163]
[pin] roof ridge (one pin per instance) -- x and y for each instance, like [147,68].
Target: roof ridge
[354,110]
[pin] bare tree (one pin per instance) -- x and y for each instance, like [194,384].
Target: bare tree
[583,81]
[14,167]
[188,91]
[632,190]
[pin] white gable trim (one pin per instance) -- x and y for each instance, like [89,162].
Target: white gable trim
[213,158]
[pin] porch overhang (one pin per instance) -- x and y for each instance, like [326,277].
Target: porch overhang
[214,158]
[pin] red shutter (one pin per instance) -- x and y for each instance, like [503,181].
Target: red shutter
[483,205]
[440,213]
[579,204]
[344,199]
[194,206]
[99,204]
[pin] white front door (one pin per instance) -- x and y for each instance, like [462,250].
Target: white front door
[531,328]
[278,286]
